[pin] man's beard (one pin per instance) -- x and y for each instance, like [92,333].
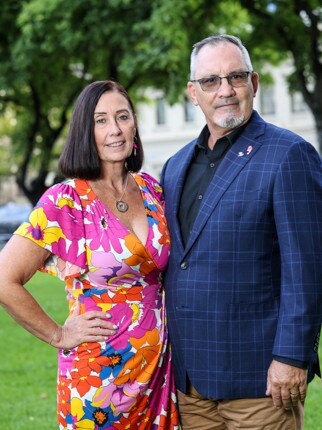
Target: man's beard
[230,122]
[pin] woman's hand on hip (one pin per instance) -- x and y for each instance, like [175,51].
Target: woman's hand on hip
[92,326]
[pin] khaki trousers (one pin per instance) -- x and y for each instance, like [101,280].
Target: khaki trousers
[198,413]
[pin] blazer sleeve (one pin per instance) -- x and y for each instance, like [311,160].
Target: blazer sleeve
[298,218]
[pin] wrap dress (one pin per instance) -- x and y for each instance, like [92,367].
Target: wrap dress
[127,381]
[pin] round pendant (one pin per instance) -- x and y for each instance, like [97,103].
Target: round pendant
[121,206]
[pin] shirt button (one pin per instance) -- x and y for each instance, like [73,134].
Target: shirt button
[184,265]
[212,164]
[200,197]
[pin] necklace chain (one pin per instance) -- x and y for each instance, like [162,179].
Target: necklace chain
[126,182]
[120,205]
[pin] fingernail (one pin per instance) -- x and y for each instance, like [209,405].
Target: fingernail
[115,327]
[108,316]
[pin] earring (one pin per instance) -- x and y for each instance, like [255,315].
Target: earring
[135,147]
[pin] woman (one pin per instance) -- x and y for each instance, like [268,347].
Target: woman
[104,233]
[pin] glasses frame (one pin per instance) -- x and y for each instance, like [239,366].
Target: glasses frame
[228,77]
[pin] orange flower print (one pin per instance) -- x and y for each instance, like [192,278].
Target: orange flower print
[89,349]
[85,192]
[91,358]
[100,417]
[63,400]
[120,294]
[83,381]
[138,413]
[168,421]
[143,414]
[142,365]
[90,361]
[95,364]
[132,294]
[140,255]
[63,395]
[123,424]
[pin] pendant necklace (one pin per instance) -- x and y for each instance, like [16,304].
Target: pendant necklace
[122,206]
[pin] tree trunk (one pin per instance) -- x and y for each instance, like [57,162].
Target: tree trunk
[36,188]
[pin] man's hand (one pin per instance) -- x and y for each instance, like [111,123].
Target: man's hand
[286,384]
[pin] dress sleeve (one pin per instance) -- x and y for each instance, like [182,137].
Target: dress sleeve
[56,224]
[154,187]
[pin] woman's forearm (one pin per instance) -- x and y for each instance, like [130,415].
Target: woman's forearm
[19,260]
[28,313]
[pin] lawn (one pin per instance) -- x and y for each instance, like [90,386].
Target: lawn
[28,369]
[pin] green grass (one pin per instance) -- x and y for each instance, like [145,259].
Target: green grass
[28,369]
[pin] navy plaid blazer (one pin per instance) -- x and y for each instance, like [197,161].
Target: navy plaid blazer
[248,283]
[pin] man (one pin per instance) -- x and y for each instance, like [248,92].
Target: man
[244,282]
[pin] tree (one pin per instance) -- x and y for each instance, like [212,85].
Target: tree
[296,30]
[51,50]
[272,30]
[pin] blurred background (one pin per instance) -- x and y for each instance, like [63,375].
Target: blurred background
[51,50]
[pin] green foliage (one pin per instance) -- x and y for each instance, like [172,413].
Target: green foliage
[51,50]
[5,159]
[294,29]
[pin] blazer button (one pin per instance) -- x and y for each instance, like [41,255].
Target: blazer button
[184,265]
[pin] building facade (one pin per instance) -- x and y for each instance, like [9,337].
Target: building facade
[165,129]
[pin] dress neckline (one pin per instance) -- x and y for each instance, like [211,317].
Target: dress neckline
[111,214]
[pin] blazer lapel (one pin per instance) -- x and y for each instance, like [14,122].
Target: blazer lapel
[235,160]
[182,167]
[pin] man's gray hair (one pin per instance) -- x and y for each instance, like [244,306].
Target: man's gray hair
[214,41]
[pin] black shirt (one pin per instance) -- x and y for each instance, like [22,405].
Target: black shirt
[204,164]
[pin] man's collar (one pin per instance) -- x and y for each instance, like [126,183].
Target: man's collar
[202,140]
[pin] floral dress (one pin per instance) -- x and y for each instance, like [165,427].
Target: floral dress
[127,381]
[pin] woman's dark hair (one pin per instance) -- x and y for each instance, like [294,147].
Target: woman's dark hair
[80,158]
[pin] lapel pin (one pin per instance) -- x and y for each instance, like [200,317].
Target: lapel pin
[249,150]
[240,154]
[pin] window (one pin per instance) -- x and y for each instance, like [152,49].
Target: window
[161,105]
[267,102]
[297,103]
[189,110]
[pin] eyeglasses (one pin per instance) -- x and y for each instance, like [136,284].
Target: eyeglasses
[213,82]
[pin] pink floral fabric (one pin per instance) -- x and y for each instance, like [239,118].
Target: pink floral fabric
[125,382]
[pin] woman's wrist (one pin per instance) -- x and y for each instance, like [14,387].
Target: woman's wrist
[56,337]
